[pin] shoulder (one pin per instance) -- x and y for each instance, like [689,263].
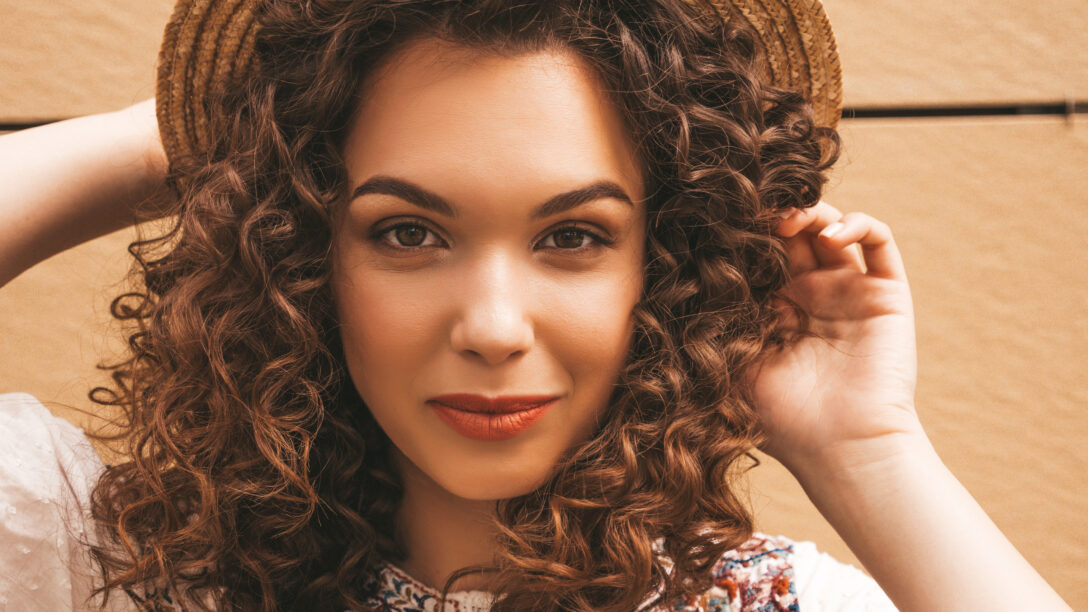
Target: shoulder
[776,573]
[42,451]
[47,469]
[39,445]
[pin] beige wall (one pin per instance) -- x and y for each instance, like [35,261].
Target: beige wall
[60,58]
[961,51]
[990,214]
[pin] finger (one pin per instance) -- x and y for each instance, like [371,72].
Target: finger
[798,248]
[833,255]
[813,218]
[806,226]
[878,248]
[801,256]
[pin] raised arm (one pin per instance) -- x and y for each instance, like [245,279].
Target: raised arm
[839,414]
[71,181]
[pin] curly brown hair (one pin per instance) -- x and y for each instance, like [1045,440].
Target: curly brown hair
[257,478]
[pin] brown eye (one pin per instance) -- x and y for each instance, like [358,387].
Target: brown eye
[572,240]
[406,237]
[569,238]
[411,235]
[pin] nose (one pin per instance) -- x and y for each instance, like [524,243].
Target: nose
[492,323]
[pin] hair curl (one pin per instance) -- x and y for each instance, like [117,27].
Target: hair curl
[257,478]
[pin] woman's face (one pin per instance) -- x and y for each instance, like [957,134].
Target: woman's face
[492,246]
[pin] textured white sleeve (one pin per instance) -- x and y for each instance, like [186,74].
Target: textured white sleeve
[826,585]
[47,469]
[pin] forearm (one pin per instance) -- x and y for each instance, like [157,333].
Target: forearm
[71,181]
[923,537]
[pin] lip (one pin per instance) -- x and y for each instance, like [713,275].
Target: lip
[490,419]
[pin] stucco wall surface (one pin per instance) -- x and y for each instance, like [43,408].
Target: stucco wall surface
[961,51]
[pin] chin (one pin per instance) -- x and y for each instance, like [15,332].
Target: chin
[491,484]
[475,477]
[489,489]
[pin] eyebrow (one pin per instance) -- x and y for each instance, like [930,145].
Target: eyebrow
[428,200]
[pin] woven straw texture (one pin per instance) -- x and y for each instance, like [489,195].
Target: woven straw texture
[209,44]
[800,48]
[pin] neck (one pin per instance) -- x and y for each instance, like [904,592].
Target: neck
[442,532]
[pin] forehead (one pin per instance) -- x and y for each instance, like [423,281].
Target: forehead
[442,112]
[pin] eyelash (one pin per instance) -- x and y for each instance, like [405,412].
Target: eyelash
[379,234]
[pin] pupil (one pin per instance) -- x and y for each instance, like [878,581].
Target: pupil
[408,232]
[574,235]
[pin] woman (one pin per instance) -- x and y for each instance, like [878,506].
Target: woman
[496,296]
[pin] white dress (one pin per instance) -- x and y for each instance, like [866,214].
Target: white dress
[48,468]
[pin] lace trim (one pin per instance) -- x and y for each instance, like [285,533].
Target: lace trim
[399,592]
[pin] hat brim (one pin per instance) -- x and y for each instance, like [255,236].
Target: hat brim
[210,43]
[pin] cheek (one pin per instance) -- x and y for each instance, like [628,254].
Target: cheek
[386,332]
[588,327]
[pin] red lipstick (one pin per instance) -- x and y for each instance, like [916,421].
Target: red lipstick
[481,418]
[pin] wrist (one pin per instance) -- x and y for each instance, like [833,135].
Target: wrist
[864,466]
[149,164]
[140,126]
[899,508]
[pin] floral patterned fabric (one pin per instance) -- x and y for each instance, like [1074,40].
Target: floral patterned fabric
[399,592]
[756,576]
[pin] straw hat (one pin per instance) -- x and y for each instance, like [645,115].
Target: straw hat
[210,43]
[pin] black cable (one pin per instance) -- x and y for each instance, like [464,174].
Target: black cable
[1067,108]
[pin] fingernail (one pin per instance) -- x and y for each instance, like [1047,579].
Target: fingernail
[831,230]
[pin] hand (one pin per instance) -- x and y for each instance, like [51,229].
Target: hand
[839,414]
[840,398]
